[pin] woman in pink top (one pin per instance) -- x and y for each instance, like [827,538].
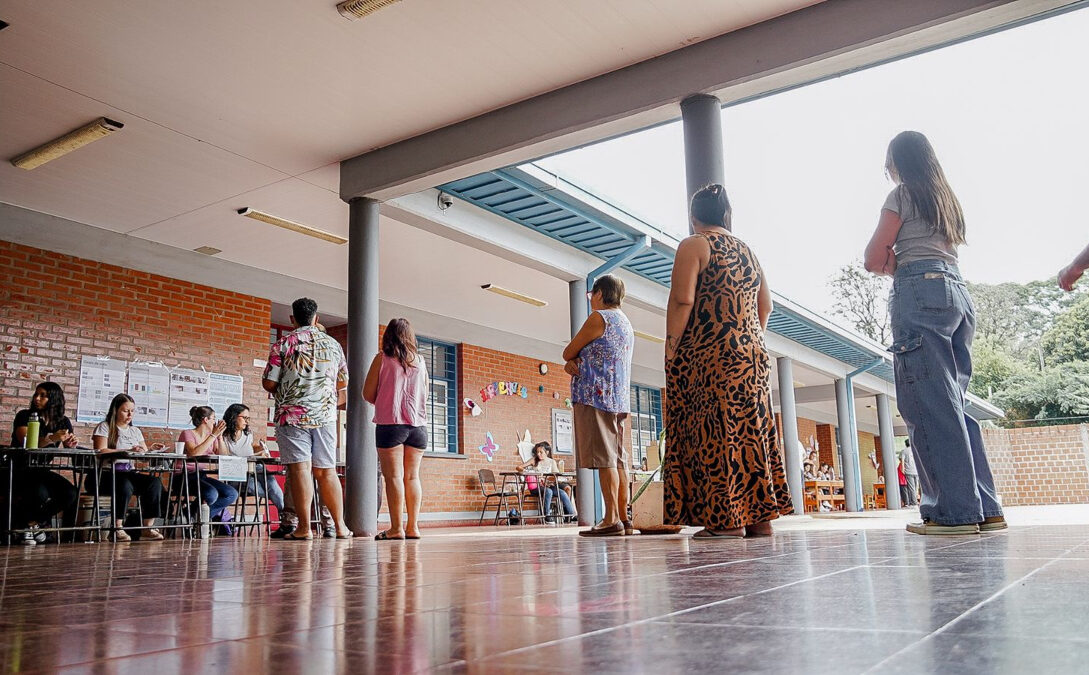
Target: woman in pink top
[205,439]
[397,386]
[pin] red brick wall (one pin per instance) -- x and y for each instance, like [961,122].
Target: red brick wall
[826,438]
[56,308]
[1043,465]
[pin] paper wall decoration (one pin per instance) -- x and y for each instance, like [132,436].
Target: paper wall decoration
[502,388]
[473,408]
[525,447]
[100,379]
[490,448]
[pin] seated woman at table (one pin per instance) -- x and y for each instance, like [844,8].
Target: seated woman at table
[40,494]
[542,463]
[808,472]
[564,485]
[118,433]
[240,442]
[827,472]
[205,438]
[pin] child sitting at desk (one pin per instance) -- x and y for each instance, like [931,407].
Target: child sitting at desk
[543,464]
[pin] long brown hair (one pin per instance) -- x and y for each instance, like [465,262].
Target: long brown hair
[399,342]
[913,159]
[111,417]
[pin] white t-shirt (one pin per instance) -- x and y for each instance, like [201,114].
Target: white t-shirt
[243,447]
[127,437]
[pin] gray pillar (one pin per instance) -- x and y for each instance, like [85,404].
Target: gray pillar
[789,415]
[848,447]
[361,472]
[701,117]
[585,477]
[888,452]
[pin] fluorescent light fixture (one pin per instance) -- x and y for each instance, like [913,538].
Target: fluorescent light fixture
[357,9]
[649,338]
[208,250]
[515,295]
[73,140]
[293,226]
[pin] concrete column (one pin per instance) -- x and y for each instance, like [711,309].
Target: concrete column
[888,452]
[361,472]
[585,477]
[848,447]
[701,117]
[789,416]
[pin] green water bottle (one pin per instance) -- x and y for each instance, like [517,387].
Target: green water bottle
[32,429]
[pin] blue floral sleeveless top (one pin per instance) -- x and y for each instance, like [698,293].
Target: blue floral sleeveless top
[604,380]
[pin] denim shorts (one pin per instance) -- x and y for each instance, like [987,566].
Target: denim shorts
[317,446]
[392,435]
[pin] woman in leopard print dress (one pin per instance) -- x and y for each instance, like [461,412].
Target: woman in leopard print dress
[723,467]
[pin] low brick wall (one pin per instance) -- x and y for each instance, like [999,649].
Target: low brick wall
[1041,465]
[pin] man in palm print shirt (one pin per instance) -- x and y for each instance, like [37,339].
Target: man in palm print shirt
[307,374]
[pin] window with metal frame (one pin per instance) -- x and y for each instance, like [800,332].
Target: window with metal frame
[646,419]
[442,407]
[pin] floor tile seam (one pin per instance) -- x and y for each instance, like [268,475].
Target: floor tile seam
[659,574]
[823,629]
[602,631]
[952,622]
[147,653]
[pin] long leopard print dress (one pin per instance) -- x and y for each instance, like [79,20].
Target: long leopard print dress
[723,466]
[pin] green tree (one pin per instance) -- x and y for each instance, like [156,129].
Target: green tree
[1068,338]
[993,366]
[1055,393]
[863,299]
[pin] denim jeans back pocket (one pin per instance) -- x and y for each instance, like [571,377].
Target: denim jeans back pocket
[933,291]
[909,362]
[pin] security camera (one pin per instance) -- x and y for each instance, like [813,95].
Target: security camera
[445,201]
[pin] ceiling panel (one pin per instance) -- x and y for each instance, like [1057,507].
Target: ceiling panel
[138,175]
[291,84]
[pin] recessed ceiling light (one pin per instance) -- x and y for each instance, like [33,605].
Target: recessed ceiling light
[293,226]
[73,140]
[208,250]
[529,300]
[649,338]
[357,9]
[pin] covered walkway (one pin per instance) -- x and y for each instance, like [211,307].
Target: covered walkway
[822,596]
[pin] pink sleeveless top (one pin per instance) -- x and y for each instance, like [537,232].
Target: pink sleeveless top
[402,397]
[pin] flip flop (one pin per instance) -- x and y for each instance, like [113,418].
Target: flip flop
[408,536]
[384,536]
[292,537]
[709,534]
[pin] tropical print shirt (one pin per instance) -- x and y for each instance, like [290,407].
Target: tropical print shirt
[307,364]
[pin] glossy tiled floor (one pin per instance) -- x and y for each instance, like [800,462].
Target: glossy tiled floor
[809,600]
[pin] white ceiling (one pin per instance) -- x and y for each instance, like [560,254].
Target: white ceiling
[251,101]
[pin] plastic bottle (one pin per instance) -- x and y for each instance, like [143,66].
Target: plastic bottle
[32,429]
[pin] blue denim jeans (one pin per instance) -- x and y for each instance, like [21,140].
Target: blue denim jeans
[933,321]
[565,501]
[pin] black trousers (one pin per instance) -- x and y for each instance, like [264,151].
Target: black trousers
[39,494]
[148,488]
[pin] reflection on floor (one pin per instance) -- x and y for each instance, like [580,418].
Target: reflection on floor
[806,601]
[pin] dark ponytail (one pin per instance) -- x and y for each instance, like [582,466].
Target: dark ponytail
[710,206]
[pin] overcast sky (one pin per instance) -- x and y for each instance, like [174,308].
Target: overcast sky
[1008,115]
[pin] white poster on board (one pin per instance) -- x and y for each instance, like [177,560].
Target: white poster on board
[187,389]
[149,387]
[100,379]
[224,390]
[563,432]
